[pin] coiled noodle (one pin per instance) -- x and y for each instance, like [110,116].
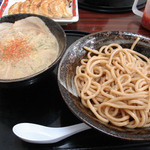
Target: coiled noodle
[114,83]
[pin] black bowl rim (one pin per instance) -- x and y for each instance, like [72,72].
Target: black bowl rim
[78,113]
[45,69]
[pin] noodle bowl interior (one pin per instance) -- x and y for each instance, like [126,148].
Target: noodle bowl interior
[113,82]
[26,47]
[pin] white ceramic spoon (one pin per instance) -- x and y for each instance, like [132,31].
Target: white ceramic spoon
[34,133]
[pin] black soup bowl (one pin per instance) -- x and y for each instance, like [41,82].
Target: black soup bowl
[66,73]
[60,35]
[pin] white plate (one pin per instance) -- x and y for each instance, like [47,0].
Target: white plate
[6,4]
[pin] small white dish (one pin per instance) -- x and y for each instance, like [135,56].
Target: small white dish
[6,4]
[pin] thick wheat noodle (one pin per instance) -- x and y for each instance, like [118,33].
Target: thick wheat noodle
[113,82]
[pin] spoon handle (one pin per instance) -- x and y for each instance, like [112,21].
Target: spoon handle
[71,130]
[64,132]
